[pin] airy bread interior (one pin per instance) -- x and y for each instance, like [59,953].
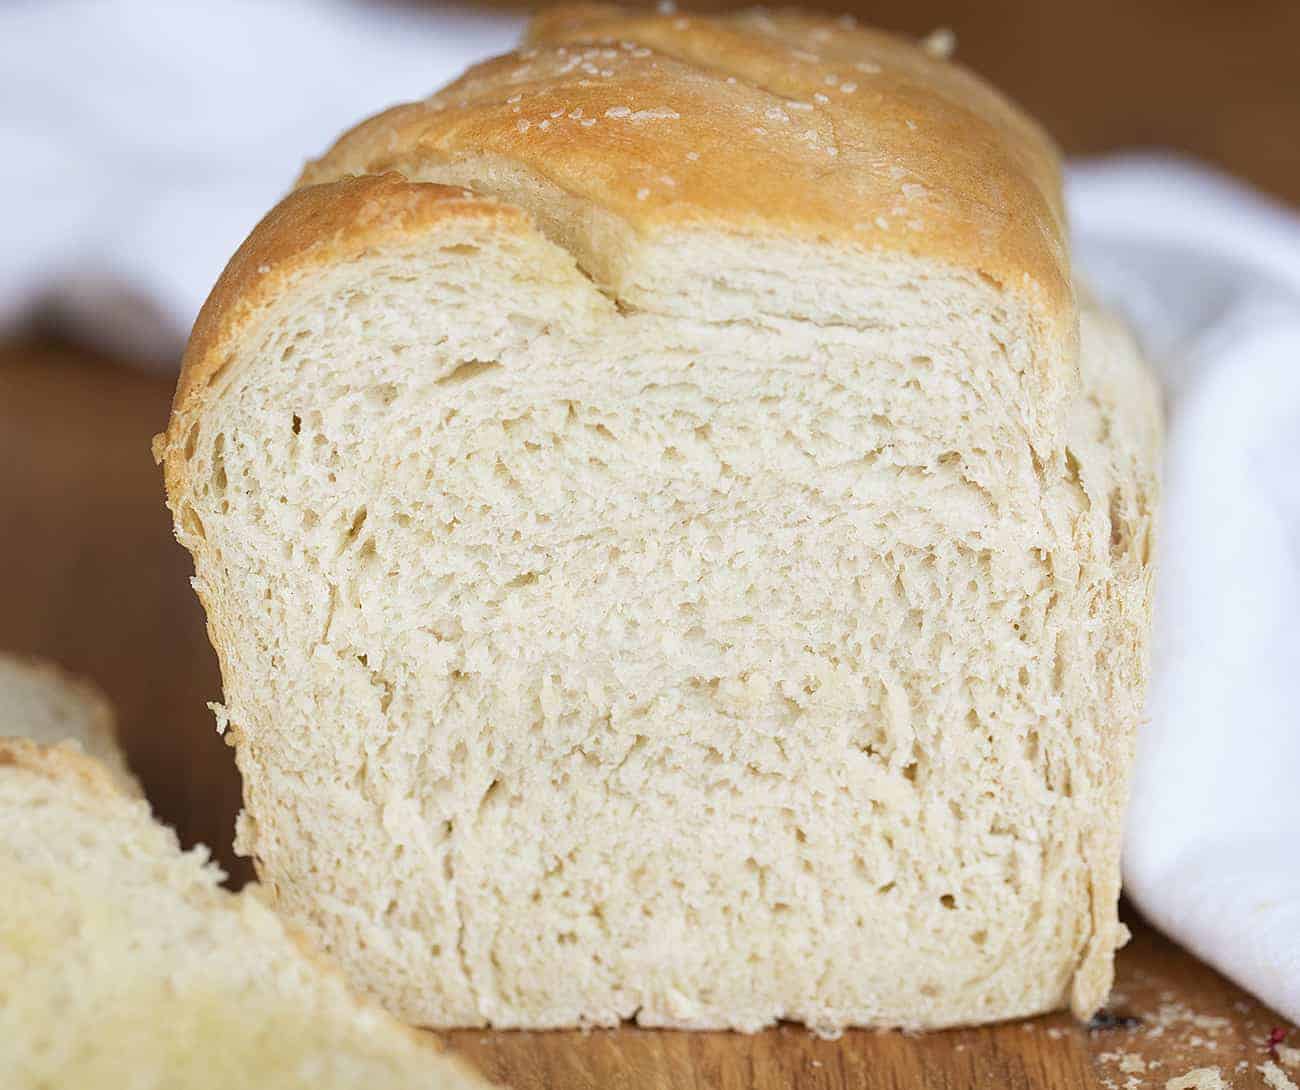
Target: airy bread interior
[762,641]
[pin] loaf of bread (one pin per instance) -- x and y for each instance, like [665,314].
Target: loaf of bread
[124,964]
[677,543]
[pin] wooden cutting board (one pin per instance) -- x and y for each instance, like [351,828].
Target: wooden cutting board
[1185,1017]
[90,576]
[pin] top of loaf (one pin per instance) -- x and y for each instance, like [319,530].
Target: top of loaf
[643,144]
[85,777]
[754,123]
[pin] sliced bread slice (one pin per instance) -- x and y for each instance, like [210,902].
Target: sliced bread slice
[124,965]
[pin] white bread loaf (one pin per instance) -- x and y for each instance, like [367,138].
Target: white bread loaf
[676,548]
[125,966]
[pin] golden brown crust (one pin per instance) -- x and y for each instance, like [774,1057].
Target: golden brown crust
[787,124]
[63,763]
[90,734]
[315,226]
[312,227]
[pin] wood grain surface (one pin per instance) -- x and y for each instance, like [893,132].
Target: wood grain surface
[90,576]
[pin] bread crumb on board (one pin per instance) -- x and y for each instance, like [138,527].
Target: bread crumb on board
[1275,1077]
[1200,1078]
[1189,1041]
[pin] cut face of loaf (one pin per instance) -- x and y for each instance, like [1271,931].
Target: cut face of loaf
[124,964]
[755,631]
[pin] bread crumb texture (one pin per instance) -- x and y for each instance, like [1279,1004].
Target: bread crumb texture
[665,617]
[1200,1078]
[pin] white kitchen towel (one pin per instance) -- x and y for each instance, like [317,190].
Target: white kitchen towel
[1210,275]
[143,140]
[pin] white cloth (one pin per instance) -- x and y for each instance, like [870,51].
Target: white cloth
[1210,274]
[143,140]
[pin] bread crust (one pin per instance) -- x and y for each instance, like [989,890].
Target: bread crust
[718,123]
[64,764]
[791,125]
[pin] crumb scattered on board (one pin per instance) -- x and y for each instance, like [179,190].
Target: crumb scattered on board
[1275,1077]
[1166,1043]
[1202,1078]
